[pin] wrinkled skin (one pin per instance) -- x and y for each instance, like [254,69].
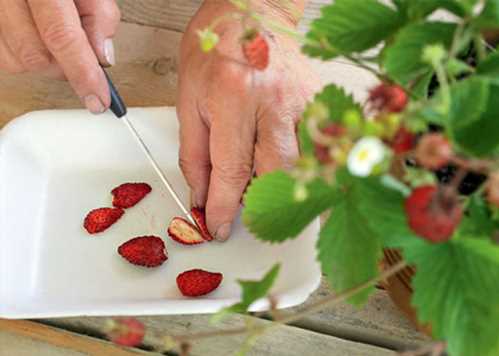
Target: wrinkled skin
[234,120]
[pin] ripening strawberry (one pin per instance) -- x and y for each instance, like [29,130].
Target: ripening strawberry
[126,332]
[321,151]
[403,141]
[493,189]
[388,97]
[433,151]
[256,49]
[433,213]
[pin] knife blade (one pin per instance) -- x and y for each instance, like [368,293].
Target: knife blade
[119,109]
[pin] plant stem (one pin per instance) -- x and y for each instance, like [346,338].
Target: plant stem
[317,306]
[480,47]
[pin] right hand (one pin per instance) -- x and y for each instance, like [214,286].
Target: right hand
[61,39]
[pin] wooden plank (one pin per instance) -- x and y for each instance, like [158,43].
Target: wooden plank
[19,338]
[175,14]
[280,340]
[145,74]
[379,322]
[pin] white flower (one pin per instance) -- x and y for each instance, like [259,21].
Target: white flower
[365,155]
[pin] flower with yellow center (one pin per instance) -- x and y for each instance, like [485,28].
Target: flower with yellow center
[365,155]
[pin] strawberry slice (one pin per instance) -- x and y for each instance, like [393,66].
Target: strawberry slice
[129,194]
[184,232]
[147,251]
[197,282]
[199,216]
[100,219]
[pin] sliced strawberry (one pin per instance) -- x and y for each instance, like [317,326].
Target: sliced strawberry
[256,50]
[129,194]
[126,332]
[100,219]
[199,216]
[184,232]
[197,282]
[147,251]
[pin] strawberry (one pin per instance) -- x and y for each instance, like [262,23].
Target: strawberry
[196,282]
[433,151]
[403,141]
[256,50]
[492,189]
[126,331]
[184,232]
[147,251]
[129,194]
[387,97]
[199,217]
[100,219]
[433,213]
[321,151]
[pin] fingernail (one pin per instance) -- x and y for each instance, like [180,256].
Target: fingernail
[93,104]
[109,52]
[223,232]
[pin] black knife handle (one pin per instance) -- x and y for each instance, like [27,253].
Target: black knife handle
[118,107]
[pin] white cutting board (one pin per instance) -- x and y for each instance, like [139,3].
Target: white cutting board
[55,166]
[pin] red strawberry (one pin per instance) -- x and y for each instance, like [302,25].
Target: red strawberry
[433,213]
[126,332]
[147,251]
[433,151]
[197,282]
[386,97]
[100,219]
[321,151]
[256,50]
[492,188]
[199,217]
[184,232]
[129,194]
[403,141]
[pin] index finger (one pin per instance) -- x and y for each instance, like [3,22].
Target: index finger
[60,27]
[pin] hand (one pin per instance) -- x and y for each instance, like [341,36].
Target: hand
[235,120]
[61,38]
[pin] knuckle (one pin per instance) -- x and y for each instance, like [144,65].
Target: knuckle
[233,174]
[32,58]
[111,12]
[60,36]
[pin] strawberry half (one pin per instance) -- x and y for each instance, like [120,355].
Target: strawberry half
[147,251]
[256,50]
[197,282]
[128,194]
[432,213]
[126,332]
[100,219]
[199,216]
[184,232]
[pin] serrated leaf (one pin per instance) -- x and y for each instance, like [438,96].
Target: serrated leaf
[418,9]
[403,59]
[338,102]
[251,292]
[350,25]
[271,211]
[477,222]
[489,17]
[456,291]
[473,116]
[489,66]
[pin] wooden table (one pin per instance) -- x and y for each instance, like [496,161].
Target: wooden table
[146,75]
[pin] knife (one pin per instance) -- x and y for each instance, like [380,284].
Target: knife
[119,109]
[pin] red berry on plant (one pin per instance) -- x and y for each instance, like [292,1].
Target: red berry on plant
[256,49]
[493,189]
[322,151]
[433,213]
[126,332]
[403,141]
[197,282]
[388,97]
[433,151]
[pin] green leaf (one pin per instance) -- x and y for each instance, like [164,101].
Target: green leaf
[272,213]
[338,102]
[251,292]
[477,222]
[418,9]
[473,122]
[489,18]
[403,59]
[490,65]
[349,26]
[456,291]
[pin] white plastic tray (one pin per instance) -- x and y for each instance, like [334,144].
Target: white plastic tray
[55,166]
